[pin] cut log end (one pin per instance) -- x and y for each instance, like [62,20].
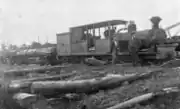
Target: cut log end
[24,99]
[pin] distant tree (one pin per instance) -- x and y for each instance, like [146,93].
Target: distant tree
[3,46]
[24,46]
[48,45]
[12,47]
[36,45]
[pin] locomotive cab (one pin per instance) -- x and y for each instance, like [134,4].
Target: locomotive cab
[88,40]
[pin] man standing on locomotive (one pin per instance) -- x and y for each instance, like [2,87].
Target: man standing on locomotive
[131,30]
[132,27]
[134,43]
[156,34]
[113,48]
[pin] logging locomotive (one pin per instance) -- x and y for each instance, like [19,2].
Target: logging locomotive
[150,44]
[107,40]
[97,40]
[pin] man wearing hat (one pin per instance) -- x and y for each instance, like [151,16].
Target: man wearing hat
[133,47]
[134,44]
[132,27]
[156,34]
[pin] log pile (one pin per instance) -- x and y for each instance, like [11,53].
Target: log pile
[24,84]
[31,92]
[41,91]
[89,86]
[51,85]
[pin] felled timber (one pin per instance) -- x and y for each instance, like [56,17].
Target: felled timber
[53,88]
[22,72]
[49,78]
[24,84]
[31,101]
[94,62]
[24,99]
[70,97]
[171,64]
[144,98]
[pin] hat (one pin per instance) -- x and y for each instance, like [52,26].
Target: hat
[155,19]
[131,22]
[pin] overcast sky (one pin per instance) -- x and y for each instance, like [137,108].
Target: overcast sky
[22,21]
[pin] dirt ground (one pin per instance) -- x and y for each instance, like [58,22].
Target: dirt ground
[104,99]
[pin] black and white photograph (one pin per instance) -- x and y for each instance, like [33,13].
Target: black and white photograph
[89,54]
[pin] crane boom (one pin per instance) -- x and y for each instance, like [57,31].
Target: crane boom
[172,26]
[177,33]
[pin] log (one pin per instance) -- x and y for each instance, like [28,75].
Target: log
[7,101]
[76,86]
[145,97]
[25,71]
[24,84]
[24,99]
[70,97]
[171,64]
[89,86]
[94,62]
[31,101]
[133,101]
[48,78]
